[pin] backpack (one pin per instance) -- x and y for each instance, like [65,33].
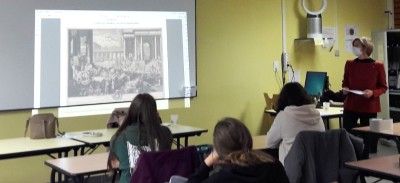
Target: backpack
[117,117]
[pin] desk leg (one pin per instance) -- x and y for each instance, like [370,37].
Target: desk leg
[78,179]
[326,123]
[53,176]
[178,143]
[83,151]
[397,140]
[186,141]
[59,174]
[76,151]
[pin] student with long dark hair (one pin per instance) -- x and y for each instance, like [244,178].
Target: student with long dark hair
[237,161]
[296,112]
[141,131]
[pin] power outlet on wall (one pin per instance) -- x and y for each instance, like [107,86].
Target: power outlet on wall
[336,53]
[276,65]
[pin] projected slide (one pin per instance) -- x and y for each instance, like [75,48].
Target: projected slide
[106,56]
[114,64]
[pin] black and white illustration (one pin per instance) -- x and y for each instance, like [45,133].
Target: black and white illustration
[116,63]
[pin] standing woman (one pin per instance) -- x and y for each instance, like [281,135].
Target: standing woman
[141,131]
[233,153]
[368,76]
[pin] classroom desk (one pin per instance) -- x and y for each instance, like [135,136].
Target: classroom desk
[395,134]
[93,142]
[23,147]
[77,167]
[183,131]
[386,167]
[178,132]
[326,115]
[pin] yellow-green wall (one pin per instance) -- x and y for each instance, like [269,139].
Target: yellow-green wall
[237,41]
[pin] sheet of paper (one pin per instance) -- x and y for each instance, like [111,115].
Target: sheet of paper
[358,92]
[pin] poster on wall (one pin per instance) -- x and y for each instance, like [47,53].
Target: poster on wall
[350,32]
[329,37]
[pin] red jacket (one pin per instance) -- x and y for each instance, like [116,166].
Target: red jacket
[362,75]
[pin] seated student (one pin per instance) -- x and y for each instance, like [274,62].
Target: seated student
[140,131]
[238,162]
[296,113]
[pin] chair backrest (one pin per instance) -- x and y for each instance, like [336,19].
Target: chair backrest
[204,150]
[117,117]
[270,101]
[160,166]
[319,157]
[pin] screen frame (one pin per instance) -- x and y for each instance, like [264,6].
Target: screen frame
[27,34]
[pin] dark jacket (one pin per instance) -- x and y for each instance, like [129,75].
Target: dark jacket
[131,134]
[319,157]
[260,173]
[158,167]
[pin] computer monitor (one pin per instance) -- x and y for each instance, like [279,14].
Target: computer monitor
[315,83]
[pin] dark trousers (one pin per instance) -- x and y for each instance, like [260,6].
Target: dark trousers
[350,121]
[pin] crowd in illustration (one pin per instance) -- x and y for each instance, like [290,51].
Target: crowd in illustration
[99,67]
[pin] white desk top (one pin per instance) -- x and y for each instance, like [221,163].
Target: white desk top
[332,111]
[395,132]
[107,133]
[27,145]
[73,166]
[183,129]
[387,166]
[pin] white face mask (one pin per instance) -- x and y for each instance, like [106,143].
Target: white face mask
[356,51]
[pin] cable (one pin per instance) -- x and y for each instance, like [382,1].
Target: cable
[291,68]
[277,78]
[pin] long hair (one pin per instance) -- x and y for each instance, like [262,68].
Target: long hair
[142,111]
[234,144]
[292,94]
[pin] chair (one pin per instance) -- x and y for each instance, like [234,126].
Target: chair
[204,150]
[319,157]
[270,102]
[117,117]
[178,179]
[160,166]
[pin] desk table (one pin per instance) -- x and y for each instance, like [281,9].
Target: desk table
[23,147]
[77,167]
[178,131]
[386,167]
[93,142]
[395,134]
[326,115]
[183,131]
